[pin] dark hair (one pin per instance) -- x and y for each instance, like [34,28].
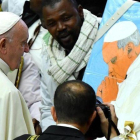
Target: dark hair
[51,3]
[95,6]
[74,102]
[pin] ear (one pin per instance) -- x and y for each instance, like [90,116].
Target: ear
[130,49]
[80,11]
[92,118]
[53,112]
[3,48]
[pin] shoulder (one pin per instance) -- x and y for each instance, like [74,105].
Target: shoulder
[6,86]
[5,83]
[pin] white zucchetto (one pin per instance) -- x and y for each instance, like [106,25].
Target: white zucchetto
[120,30]
[7,21]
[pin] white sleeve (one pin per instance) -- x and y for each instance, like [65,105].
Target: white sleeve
[30,86]
[46,104]
[47,90]
[34,110]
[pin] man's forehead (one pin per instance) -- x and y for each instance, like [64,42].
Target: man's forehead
[59,9]
[110,50]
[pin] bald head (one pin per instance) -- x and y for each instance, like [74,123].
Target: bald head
[74,102]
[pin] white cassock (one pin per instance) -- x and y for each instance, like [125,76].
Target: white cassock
[15,118]
[127,104]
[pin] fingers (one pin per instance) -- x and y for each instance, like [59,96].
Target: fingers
[34,122]
[103,120]
[38,130]
[101,114]
[113,114]
[36,126]
[100,89]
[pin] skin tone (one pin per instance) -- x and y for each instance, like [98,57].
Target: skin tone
[104,121]
[37,127]
[118,60]
[12,48]
[108,89]
[64,22]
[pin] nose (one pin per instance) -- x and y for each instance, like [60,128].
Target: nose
[110,69]
[26,48]
[60,26]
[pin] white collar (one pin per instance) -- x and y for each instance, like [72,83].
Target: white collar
[4,67]
[67,125]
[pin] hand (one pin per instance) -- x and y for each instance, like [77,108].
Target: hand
[104,121]
[37,127]
[108,89]
[113,114]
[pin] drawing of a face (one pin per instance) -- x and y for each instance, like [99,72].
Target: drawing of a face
[118,60]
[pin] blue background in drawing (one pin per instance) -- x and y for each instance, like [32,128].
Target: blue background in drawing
[97,69]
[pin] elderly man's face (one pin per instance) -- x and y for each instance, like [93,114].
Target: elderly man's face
[64,22]
[117,59]
[18,45]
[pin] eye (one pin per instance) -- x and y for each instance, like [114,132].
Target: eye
[129,50]
[23,44]
[113,60]
[66,18]
[50,24]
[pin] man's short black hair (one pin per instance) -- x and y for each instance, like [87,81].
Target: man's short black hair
[74,102]
[51,3]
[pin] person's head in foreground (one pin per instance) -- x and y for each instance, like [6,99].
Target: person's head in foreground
[13,39]
[74,103]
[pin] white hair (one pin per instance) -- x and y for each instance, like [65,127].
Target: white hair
[134,38]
